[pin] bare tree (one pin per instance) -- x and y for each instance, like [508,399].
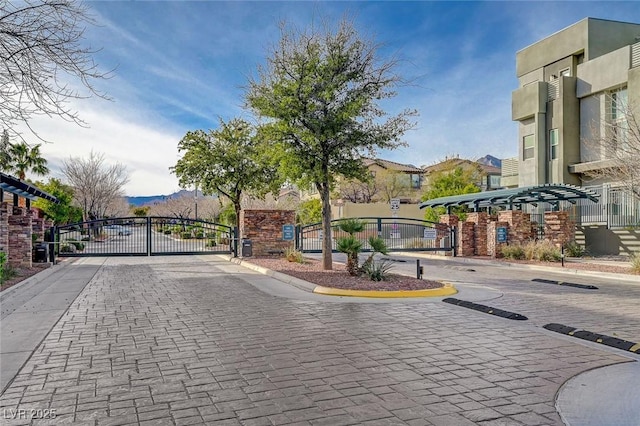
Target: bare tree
[40,47]
[357,191]
[118,207]
[95,184]
[614,145]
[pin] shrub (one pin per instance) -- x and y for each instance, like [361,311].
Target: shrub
[544,251]
[513,252]
[67,248]
[377,271]
[200,235]
[211,243]
[573,249]
[186,235]
[293,255]
[6,271]
[635,263]
[77,244]
[167,232]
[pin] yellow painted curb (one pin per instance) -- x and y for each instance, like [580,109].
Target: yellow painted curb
[447,290]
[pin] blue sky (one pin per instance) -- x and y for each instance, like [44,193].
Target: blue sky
[178,66]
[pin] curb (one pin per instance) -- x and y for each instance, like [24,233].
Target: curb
[36,278]
[447,290]
[559,270]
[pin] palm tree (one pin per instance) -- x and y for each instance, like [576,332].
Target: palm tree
[23,159]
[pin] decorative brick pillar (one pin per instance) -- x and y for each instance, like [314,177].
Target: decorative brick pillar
[4,227]
[558,228]
[466,239]
[264,229]
[20,245]
[480,220]
[450,220]
[519,225]
[37,224]
[494,248]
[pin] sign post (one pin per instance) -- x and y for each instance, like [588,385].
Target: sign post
[395,206]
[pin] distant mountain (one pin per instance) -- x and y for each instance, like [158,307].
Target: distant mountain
[150,199]
[490,160]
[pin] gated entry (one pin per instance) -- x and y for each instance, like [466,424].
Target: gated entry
[400,234]
[146,236]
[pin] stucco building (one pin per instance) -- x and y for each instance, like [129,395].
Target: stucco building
[569,83]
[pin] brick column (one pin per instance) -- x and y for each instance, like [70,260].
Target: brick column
[480,220]
[466,239]
[558,228]
[450,220]
[264,229]
[494,249]
[519,225]
[20,245]
[4,227]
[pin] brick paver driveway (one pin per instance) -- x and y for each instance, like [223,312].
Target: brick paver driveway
[190,340]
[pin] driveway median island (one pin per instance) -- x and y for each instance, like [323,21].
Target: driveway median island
[338,281]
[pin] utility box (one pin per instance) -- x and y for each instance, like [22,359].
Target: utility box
[41,253]
[247,248]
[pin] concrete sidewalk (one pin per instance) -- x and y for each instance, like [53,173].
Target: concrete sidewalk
[30,309]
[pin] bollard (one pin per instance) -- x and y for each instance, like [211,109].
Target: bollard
[418,269]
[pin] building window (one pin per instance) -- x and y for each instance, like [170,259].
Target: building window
[528,144]
[619,124]
[415,181]
[494,181]
[565,72]
[553,144]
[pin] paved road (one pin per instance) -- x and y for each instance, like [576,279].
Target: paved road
[198,340]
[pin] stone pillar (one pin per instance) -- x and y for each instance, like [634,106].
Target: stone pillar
[4,227]
[519,225]
[480,220]
[450,220]
[466,239]
[20,245]
[558,228]
[494,248]
[37,224]
[264,229]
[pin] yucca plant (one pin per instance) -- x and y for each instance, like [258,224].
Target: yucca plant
[377,246]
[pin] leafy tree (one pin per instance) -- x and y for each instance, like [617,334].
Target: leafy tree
[64,212]
[142,211]
[446,183]
[309,211]
[95,184]
[319,94]
[23,159]
[228,161]
[40,48]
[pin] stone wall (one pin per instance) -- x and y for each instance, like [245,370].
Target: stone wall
[558,228]
[450,220]
[264,229]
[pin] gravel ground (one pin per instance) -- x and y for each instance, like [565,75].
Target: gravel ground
[312,272]
[21,274]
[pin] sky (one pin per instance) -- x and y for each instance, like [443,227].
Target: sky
[179,66]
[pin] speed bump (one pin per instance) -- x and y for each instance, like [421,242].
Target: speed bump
[566,284]
[485,309]
[603,339]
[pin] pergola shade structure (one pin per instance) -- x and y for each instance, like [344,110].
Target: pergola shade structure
[20,188]
[548,193]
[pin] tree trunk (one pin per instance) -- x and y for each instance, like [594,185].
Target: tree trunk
[238,207]
[327,258]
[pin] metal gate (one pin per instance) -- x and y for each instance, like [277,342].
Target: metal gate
[400,234]
[144,236]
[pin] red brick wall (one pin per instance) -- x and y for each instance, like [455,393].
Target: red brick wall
[4,226]
[443,231]
[493,247]
[264,229]
[466,239]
